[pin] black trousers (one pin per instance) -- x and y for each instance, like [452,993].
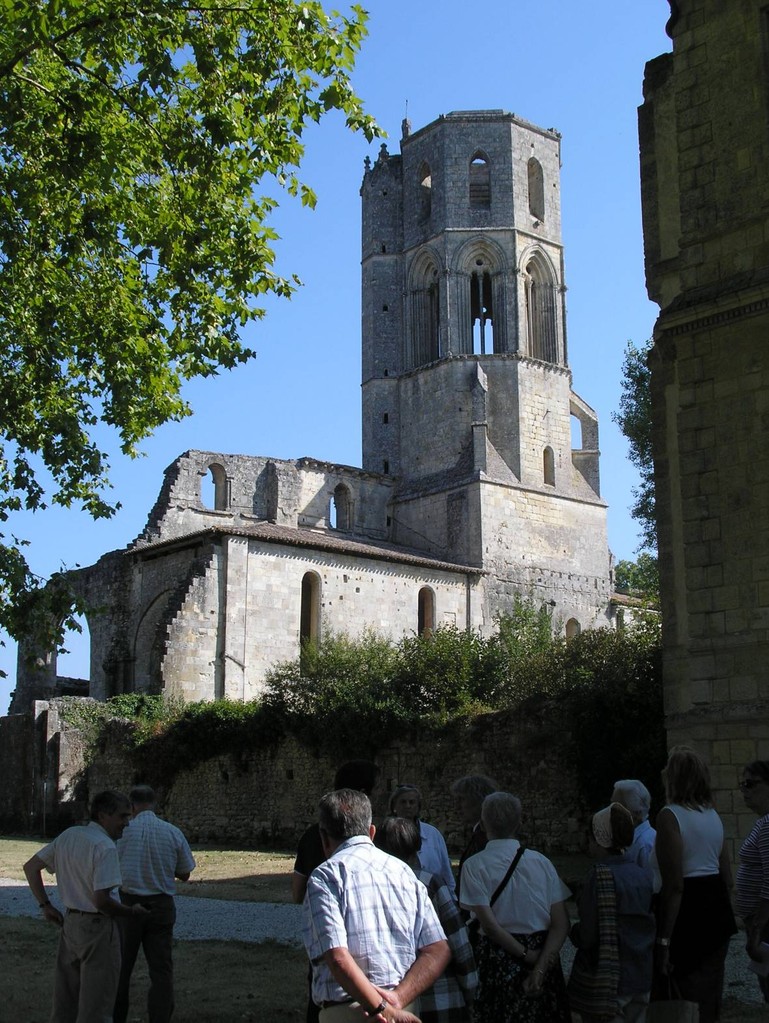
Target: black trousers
[154,934]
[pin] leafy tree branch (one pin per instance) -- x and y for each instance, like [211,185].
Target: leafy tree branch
[134,242]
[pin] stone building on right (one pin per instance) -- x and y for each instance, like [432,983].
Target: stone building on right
[704,138]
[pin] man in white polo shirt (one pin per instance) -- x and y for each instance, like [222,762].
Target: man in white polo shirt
[152,853]
[85,861]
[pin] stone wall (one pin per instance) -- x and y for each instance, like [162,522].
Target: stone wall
[270,796]
[704,154]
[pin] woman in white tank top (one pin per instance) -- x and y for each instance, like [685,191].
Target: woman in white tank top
[694,918]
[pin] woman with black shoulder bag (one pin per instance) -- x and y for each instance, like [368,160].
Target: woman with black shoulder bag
[520,905]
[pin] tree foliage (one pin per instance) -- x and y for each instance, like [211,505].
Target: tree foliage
[134,244]
[640,578]
[634,419]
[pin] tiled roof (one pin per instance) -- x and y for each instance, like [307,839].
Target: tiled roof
[319,539]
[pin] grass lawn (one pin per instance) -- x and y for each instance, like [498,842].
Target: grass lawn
[216,981]
[244,875]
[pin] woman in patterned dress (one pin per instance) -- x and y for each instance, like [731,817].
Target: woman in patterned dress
[523,923]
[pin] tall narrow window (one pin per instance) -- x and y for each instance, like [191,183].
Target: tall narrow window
[573,628]
[215,489]
[425,192]
[481,311]
[309,625]
[540,314]
[340,507]
[426,612]
[536,189]
[548,466]
[423,340]
[480,182]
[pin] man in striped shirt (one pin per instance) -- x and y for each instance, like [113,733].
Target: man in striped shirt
[152,854]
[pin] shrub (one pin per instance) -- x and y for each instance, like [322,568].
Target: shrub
[347,697]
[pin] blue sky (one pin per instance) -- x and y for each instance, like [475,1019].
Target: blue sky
[572,65]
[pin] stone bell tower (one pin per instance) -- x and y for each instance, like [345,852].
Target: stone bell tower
[467,398]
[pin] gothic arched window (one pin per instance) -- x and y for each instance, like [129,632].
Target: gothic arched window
[423,342]
[482,309]
[540,313]
[480,182]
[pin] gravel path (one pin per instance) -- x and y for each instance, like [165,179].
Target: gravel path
[196,919]
[202,919]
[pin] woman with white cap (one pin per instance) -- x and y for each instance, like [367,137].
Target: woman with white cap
[612,972]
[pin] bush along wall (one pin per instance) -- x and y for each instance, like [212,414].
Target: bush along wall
[558,722]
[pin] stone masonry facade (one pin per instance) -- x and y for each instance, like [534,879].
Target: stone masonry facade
[471,493]
[704,132]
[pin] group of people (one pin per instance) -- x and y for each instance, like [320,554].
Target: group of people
[393,936]
[116,881]
[654,915]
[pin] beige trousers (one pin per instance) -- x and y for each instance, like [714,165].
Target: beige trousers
[87,969]
[352,1011]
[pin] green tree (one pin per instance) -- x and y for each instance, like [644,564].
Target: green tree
[134,245]
[639,578]
[634,418]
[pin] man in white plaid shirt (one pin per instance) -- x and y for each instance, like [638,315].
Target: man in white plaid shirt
[370,930]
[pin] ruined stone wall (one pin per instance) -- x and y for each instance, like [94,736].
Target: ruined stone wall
[270,797]
[704,154]
[255,488]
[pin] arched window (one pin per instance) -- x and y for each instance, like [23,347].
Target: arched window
[215,488]
[548,466]
[478,298]
[540,313]
[309,626]
[573,628]
[339,511]
[481,309]
[426,612]
[480,182]
[423,343]
[536,189]
[425,192]
[73,661]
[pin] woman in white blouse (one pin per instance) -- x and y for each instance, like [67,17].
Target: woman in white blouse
[694,919]
[523,922]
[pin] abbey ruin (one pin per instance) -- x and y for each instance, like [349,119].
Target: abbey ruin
[471,492]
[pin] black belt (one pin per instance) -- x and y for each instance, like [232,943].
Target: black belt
[84,912]
[134,895]
[330,1005]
